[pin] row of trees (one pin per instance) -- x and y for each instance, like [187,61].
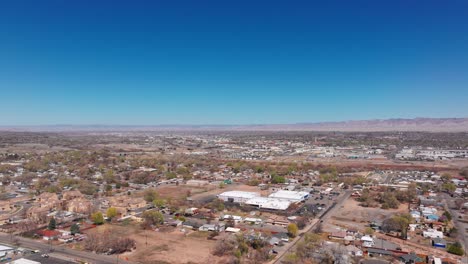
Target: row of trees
[238,249]
[387,198]
[108,243]
[310,250]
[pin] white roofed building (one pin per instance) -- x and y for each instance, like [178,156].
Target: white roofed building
[237,196]
[291,196]
[269,203]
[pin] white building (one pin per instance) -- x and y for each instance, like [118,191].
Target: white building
[367,241]
[237,196]
[4,250]
[253,220]
[269,203]
[291,196]
[432,233]
[236,218]
[23,261]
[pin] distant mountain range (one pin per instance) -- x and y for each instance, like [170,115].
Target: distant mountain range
[416,124]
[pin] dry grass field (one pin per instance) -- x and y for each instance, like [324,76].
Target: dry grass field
[170,245]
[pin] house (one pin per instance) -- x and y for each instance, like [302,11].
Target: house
[432,217]
[354,251]
[367,241]
[232,230]
[175,223]
[212,227]
[338,235]
[191,224]
[282,236]
[416,215]
[432,233]
[352,232]
[273,241]
[439,242]
[379,252]
[253,220]
[235,218]
[277,220]
[191,211]
[49,234]
[411,258]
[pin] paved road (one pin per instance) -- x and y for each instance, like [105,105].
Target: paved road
[62,252]
[461,227]
[321,218]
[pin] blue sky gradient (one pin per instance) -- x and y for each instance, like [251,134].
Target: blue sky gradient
[231,62]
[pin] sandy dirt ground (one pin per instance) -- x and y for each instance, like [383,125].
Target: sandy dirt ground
[165,246]
[351,215]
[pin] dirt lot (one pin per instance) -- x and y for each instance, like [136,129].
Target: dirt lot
[168,246]
[352,215]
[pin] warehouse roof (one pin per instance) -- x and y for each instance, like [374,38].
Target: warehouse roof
[289,195]
[269,203]
[239,194]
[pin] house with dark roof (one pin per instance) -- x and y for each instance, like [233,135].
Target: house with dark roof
[439,242]
[411,258]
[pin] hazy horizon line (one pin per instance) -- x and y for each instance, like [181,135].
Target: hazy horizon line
[224,124]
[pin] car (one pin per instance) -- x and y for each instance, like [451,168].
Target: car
[44,255]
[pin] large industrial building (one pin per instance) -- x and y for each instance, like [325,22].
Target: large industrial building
[279,200]
[237,196]
[269,203]
[291,196]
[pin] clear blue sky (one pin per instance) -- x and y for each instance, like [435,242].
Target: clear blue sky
[231,62]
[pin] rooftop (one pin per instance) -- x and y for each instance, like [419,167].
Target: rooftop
[293,195]
[240,194]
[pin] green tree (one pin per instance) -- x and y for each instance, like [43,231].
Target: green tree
[153,217]
[52,224]
[170,175]
[403,221]
[109,176]
[150,195]
[111,212]
[389,200]
[449,187]
[97,218]
[278,179]
[217,204]
[446,177]
[159,203]
[292,230]
[456,249]
[75,229]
